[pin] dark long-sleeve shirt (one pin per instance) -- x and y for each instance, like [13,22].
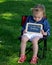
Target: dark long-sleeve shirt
[43,21]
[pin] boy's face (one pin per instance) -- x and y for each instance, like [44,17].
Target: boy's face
[38,16]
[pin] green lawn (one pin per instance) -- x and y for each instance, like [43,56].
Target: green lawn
[11,12]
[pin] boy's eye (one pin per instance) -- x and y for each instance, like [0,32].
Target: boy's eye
[36,17]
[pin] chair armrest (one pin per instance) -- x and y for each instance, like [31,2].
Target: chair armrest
[44,36]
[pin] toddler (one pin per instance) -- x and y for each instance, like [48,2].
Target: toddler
[38,17]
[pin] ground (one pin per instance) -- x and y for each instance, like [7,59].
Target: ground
[11,12]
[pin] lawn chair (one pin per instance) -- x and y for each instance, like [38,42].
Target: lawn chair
[44,39]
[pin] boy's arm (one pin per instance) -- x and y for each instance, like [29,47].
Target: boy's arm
[44,33]
[46,30]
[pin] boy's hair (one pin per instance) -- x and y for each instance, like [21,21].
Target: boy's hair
[38,8]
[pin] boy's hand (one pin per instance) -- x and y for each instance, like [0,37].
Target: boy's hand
[24,31]
[44,33]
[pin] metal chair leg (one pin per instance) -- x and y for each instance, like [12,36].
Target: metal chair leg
[45,48]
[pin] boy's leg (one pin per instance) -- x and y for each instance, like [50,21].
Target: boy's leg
[35,46]
[23,47]
[23,44]
[35,50]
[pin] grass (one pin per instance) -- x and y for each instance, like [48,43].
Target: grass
[11,12]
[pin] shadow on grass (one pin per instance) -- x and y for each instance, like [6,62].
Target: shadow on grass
[10,19]
[9,44]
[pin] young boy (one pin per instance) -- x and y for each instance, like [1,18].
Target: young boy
[38,18]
